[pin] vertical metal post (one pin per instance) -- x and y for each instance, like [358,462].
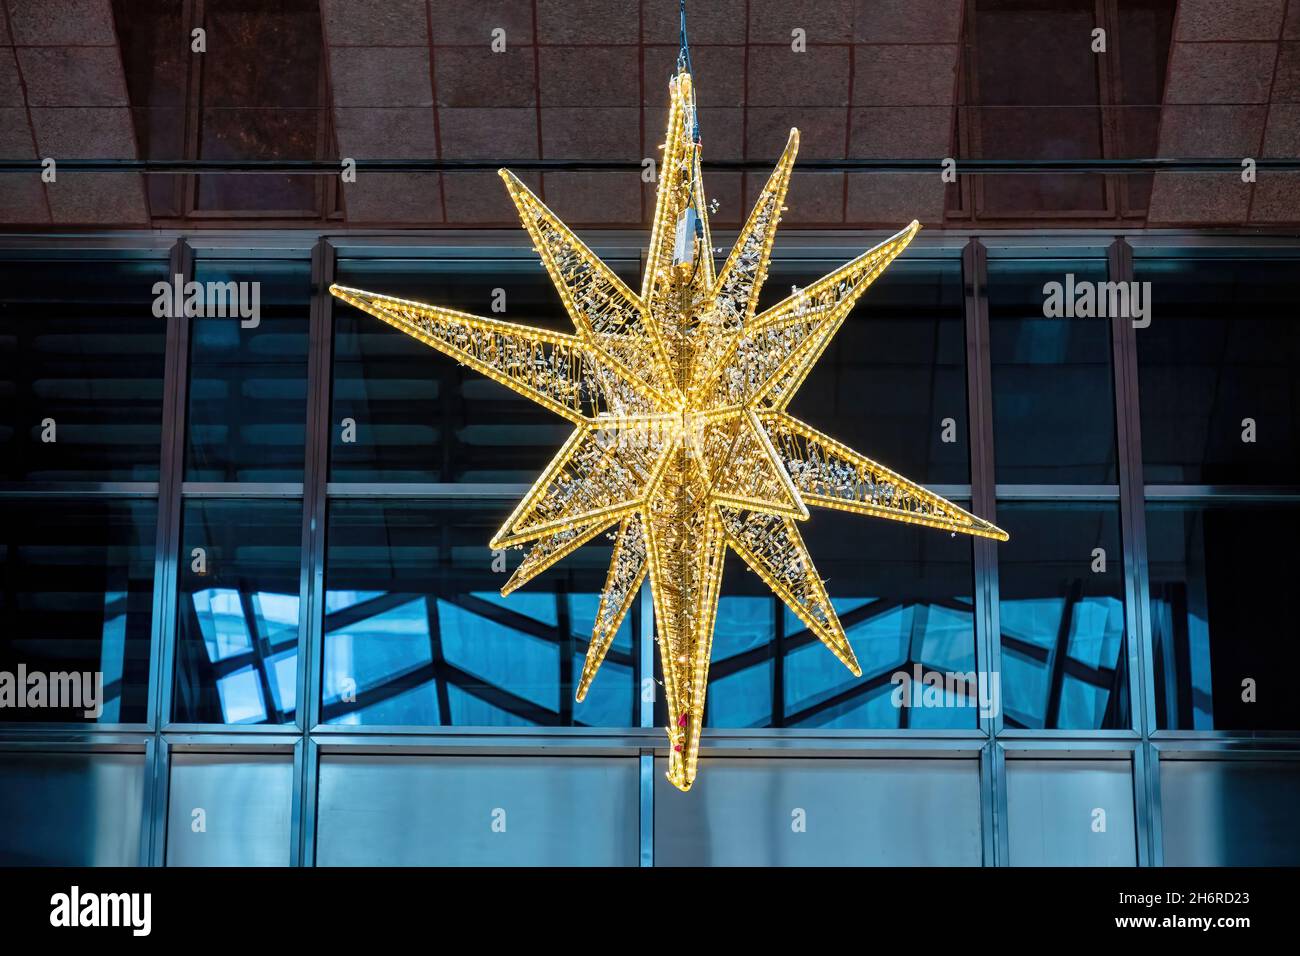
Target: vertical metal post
[312,571]
[984,553]
[162,644]
[1137,631]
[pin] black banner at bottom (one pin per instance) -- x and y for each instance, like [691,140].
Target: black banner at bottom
[548,907]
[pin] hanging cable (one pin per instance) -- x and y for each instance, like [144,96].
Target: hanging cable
[691,221]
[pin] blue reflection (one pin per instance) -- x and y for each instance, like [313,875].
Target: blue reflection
[468,709]
[283,668]
[241,697]
[357,662]
[220,614]
[419,705]
[540,607]
[500,654]
[416,631]
[1061,612]
[742,698]
[1096,631]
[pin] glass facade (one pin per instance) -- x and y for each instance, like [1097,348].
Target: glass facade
[269,534]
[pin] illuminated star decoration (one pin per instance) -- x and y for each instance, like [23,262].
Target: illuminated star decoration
[681,438]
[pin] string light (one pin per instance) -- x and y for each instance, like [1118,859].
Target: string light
[678,395]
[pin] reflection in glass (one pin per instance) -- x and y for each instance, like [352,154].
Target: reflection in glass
[1061,605]
[419,415]
[236,660]
[903,595]
[1223,347]
[1053,398]
[417,632]
[81,370]
[76,596]
[1218,618]
[248,382]
[895,372]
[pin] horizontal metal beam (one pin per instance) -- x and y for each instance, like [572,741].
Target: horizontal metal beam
[965,167]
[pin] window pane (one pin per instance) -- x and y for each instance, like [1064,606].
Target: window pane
[895,371]
[741,671]
[1051,805]
[903,594]
[71,809]
[426,810]
[252,794]
[238,617]
[248,376]
[1223,347]
[1061,605]
[1230,812]
[76,596]
[81,370]
[886,813]
[1219,618]
[1053,401]
[421,416]
[417,632]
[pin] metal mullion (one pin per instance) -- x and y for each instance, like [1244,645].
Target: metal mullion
[312,572]
[296,802]
[1221,493]
[246,489]
[306,780]
[80,489]
[228,730]
[487,492]
[1137,625]
[1057,492]
[993,798]
[162,654]
[159,795]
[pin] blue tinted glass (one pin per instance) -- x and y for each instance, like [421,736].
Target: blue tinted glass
[248,376]
[237,626]
[903,595]
[741,671]
[1053,398]
[896,370]
[1223,347]
[1222,637]
[419,415]
[1061,610]
[81,370]
[416,631]
[76,597]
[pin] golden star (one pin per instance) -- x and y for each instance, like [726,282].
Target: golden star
[681,437]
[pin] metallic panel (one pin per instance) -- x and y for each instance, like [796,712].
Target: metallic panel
[1230,812]
[821,812]
[477,811]
[70,809]
[1052,813]
[246,801]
